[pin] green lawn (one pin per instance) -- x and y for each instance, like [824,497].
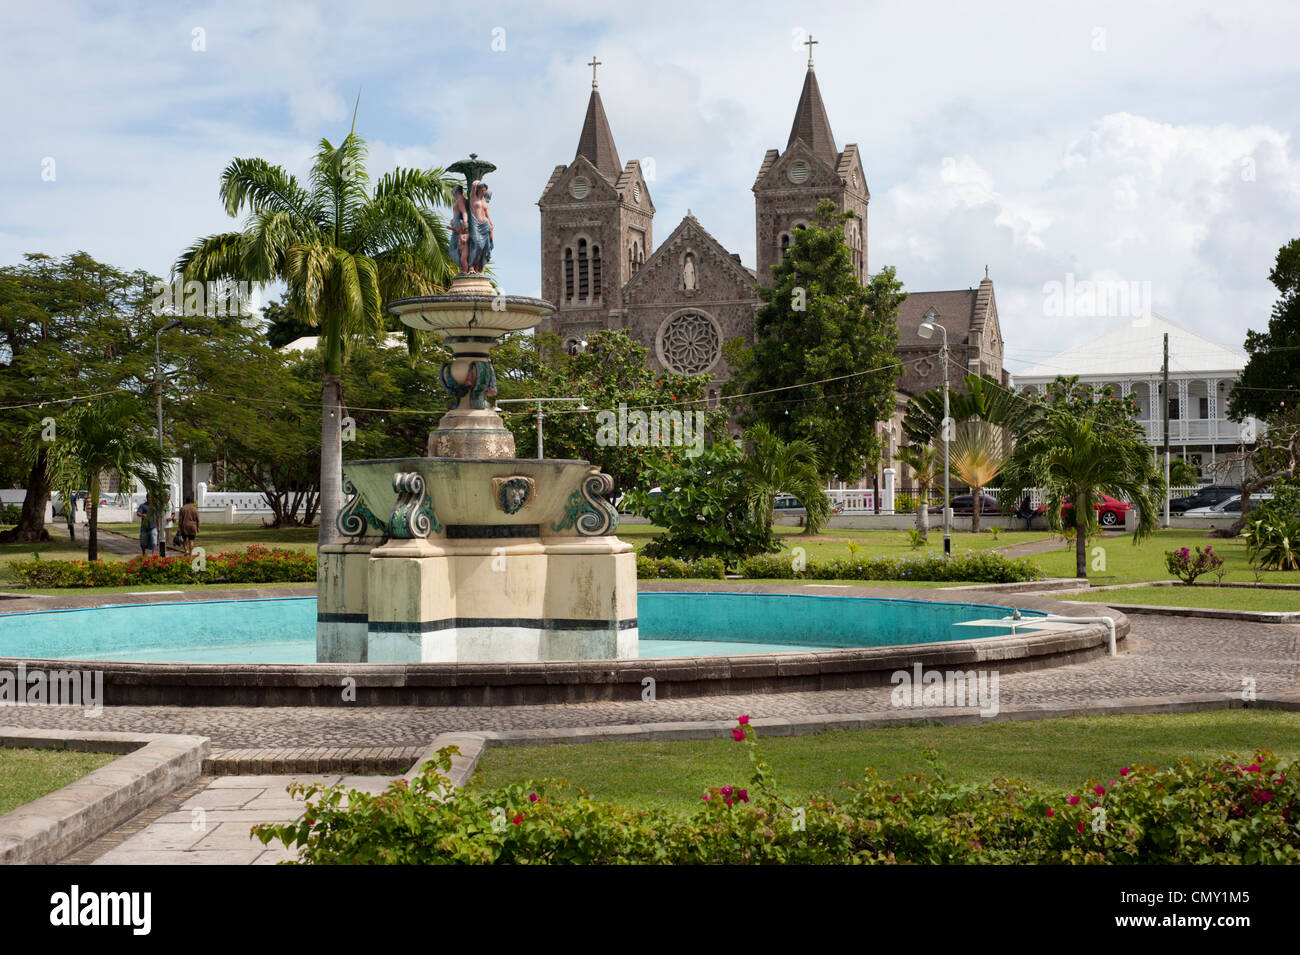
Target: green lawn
[1127,563]
[27,774]
[834,542]
[1202,595]
[1060,753]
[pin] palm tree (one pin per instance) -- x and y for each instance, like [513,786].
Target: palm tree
[101,437]
[342,250]
[978,452]
[1076,456]
[773,466]
[927,469]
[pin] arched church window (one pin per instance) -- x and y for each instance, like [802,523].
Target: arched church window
[568,275]
[785,243]
[595,271]
[584,277]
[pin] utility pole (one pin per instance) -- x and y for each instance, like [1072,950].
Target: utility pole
[1165,392]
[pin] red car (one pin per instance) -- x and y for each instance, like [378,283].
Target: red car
[1110,512]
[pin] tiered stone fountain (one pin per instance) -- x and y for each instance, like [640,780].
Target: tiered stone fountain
[471,554]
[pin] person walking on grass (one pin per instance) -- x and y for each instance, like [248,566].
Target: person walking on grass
[148,528]
[189,526]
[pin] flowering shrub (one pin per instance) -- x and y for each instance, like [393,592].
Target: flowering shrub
[980,567]
[256,565]
[1186,567]
[1208,812]
[671,568]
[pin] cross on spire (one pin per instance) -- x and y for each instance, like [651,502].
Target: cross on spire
[810,43]
[593,64]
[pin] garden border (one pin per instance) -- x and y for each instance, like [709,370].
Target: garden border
[47,829]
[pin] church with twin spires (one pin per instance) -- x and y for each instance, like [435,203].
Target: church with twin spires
[687,295]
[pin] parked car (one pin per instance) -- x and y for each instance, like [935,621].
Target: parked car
[1110,512]
[1231,506]
[963,506]
[1206,497]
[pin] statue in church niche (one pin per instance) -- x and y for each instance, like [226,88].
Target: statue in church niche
[458,245]
[688,272]
[480,227]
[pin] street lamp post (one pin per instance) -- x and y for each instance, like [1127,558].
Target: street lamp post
[539,414]
[926,330]
[157,380]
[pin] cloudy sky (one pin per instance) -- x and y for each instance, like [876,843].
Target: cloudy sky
[1147,142]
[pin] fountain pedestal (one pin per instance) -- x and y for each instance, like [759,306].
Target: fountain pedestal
[469,554]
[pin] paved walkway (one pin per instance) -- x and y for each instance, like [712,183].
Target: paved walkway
[209,823]
[1164,656]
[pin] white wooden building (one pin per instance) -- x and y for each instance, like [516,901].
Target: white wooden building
[1128,359]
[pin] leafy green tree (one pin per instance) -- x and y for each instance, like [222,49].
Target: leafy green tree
[1085,444]
[1182,474]
[705,506]
[927,470]
[342,250]
[104,435]
[772,466]
[69,326]
[983,397]
[610,372]
[1271,379]
[822,330]
[282,325]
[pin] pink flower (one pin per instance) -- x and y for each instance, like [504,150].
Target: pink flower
[1099,790]
[1079,828]
[743,794]
[726,790]
[1051,813]
[706,797]
[1073,800]
[1124,771]
[532,797]
[1253,768]
[742,720]
[1263,796]
[738,735]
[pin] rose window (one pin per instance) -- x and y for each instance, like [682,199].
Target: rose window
[690,343]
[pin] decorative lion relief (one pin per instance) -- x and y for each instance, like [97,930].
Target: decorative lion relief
[514,493]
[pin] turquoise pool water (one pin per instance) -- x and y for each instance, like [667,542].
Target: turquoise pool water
[283,630]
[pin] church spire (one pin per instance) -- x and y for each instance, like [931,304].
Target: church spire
[597,141]
[810,121]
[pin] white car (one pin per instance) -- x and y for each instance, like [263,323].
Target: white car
[1225,508]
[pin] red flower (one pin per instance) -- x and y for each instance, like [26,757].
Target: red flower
[1099,790]
[518,819]
[742,720]
[532,797]
[1079,828]
[1125,771]
[743,794]
[1073,800]
[1051,813]
[738,735]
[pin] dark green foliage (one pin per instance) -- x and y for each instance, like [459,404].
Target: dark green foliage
[670,568]
[988,567]
[817,322]
[1208,812]
[1269,382]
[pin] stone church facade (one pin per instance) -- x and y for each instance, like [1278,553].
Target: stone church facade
[683,298]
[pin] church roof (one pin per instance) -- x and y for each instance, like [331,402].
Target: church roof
[957,313]
[1136,347]
[597,140]
[811,124]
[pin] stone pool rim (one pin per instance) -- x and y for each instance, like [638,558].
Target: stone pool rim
[580,681]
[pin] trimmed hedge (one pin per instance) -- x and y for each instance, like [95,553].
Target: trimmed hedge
[255,565]
[672,568]
[985,567]
[1211,812]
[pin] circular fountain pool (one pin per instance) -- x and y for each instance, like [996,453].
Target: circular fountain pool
[283,629]
[257,649]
